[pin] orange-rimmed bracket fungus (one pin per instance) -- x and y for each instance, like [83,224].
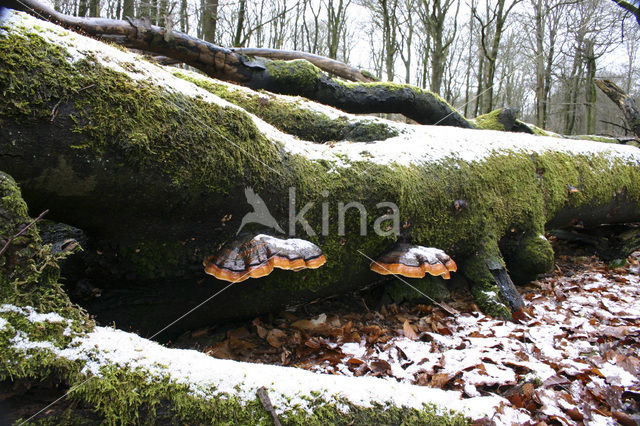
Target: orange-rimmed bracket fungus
[255,256]
[414,261]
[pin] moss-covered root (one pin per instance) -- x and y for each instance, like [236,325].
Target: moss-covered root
[491,286]
[527,256]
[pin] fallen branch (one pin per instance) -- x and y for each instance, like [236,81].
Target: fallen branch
[22,231]
[626,104]
[266,403]
[329,65]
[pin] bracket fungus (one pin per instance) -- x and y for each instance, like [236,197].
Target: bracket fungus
[414,262]
[255,256]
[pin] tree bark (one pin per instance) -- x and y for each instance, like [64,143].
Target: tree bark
[590,88]
[329,65]
[626,104]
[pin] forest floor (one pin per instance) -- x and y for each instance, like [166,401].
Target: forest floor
[571,357]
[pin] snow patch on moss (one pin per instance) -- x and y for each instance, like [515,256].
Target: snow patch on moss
[209,378]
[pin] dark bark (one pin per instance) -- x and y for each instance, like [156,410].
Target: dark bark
[626,104]
[590,88]
[629,7]
[128,9]
[210,20]
[237,39]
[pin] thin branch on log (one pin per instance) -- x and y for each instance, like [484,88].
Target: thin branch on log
[288,78]
[329,65]
[625,128]
[266,403]
[624,102]
[22,231]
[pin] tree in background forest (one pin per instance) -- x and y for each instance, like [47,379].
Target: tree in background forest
[538,56]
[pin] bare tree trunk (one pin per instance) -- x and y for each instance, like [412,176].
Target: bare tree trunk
[329,65]
[210,20]
[540,64]
[498,15]
[83,8]
[590,88]
[336,21]
[467,91]
[242,10]
[127,9]
[184,18]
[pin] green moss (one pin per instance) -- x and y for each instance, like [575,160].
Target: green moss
[124,395]
[298,73]
[596,138]
[211,153]
[539,131]
[292,117]
[29,272]
[490,121]
[527,256]
[369,75]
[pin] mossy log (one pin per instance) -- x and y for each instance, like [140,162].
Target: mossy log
[298,77]
[58,368]
[154,169]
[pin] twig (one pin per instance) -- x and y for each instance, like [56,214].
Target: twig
[617,125]
[266,403]
[22,231]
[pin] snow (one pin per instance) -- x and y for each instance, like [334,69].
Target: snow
[3,323]
[289,386]
[415,144]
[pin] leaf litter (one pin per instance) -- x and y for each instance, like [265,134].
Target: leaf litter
[571,356]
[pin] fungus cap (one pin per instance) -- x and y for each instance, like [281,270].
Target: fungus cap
[255,256]
[414,262]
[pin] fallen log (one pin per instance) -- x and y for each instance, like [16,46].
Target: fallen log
[154,169]
[299,77]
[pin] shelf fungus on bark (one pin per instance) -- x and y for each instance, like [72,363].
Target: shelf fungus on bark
[414,262]
[255,256]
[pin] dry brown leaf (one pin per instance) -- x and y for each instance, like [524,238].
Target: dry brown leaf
[380,366]
[408,331]
[623,418]
[276,337]
[220,350]
[238,333]
[619,332]
[555,381]
[448,309]
[439,380]
[260,329]
[303,324]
